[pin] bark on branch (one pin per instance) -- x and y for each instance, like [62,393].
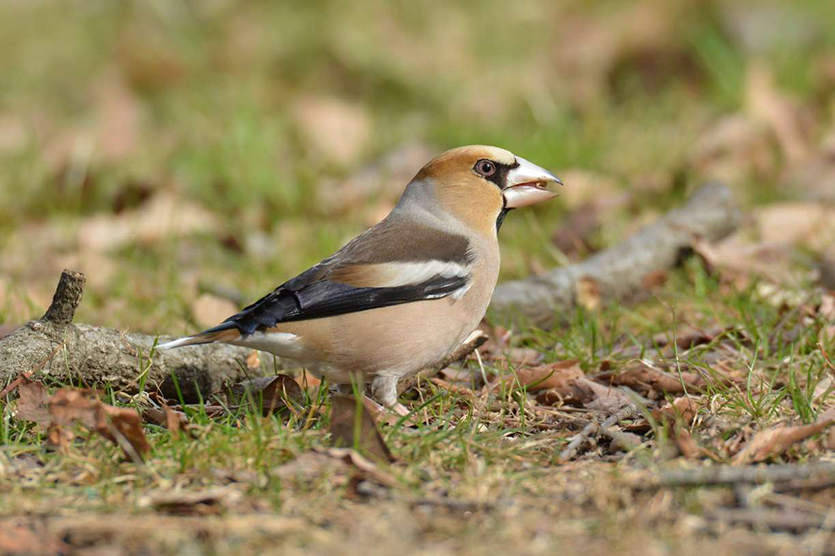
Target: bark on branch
[80,353]
[619,273]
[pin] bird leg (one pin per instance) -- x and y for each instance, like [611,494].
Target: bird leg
[384,388]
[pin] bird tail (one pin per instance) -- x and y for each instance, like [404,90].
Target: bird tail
[226,332]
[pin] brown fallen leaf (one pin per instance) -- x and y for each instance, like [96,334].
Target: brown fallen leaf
[308,382]
[157,220]
[649,381]
[267,394]
[123,426]
[790,125]
[687,447]
[583,392]
[776,440]
[588,293]
[32,403]
[810,224]
[655,279]
[253,361]
[681,409]
[545,377]
[174,420]
[120,425]
[358,432]
[333,129]
[69,404]
[689,336]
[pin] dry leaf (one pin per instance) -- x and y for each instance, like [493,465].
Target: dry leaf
[160,219]
[789,125]
[68,405]
[308,381]
[685,443]
[32,403]
[776,440]
[733,149]
[253,361]
[333,129]
[545,377]
[689,336]
[122,426]
[268,394]
[585,393]
[683,409]
[344,428]
[797,223]
[642,378]
[655,279]
[588,293]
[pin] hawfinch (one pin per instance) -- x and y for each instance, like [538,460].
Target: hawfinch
[404,294]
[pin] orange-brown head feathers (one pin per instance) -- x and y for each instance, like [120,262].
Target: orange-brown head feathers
[477,184]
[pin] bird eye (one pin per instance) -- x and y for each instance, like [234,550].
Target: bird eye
[485,168]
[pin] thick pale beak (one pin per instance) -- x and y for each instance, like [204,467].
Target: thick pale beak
[527,184]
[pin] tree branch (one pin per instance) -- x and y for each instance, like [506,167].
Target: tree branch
[618,273]
[98,356]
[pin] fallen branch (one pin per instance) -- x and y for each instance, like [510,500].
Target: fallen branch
[779,520]
[94,356]
[592,430]
[726,475]
[619,273]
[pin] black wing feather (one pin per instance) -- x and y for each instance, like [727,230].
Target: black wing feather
[326,298]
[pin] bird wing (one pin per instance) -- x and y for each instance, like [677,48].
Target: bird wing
[369,272]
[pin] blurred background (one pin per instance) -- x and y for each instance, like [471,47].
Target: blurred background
[191,155]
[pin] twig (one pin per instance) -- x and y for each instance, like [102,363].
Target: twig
[592,430]
[772,519]
[726,475]
[66,299]
[618,273]
[100,356]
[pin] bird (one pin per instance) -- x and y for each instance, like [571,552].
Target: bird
[405,293]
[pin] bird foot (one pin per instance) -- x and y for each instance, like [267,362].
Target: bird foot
[400,409]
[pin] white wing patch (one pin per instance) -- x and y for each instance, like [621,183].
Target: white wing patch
[282,344]
[408,273]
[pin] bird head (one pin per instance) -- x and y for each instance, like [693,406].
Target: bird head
[479,184]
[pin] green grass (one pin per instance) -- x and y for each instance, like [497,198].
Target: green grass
[205,97]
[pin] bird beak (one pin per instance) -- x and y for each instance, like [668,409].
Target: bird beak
[527,184]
